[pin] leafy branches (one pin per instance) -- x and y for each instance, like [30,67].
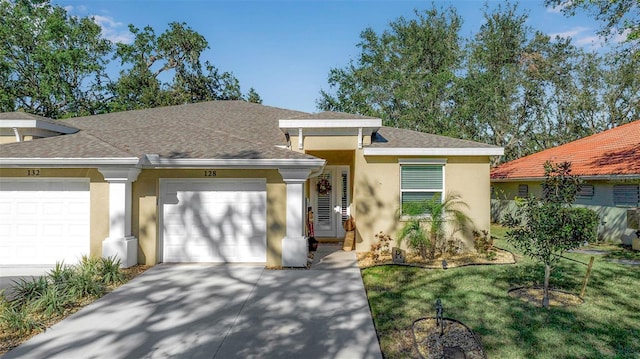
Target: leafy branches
[545,228]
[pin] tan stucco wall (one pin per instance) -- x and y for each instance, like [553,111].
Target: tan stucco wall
[7,139]
[144,221]
[377,194]
[99,197]
[323,143]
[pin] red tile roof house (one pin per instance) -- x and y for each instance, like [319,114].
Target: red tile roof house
[221,181]
[609,162]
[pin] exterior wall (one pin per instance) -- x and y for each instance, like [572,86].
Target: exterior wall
[144,221]
[7,139]
[613,219]
[99,197]
[377,195]
[322,143]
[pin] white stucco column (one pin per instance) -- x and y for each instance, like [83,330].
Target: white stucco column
[294,244]
[120,242]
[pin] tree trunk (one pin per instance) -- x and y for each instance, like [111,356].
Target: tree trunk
[547,273]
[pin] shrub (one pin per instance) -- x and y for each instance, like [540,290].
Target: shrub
[18,320]
[85,282]
[28,290]
[110,271]
[584,222]
[60,274]
[382,247]
[482,242]
[53,301]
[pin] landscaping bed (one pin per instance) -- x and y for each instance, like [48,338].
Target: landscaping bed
[41,302]
[604,326]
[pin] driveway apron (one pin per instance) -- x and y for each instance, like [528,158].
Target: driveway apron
[222,311]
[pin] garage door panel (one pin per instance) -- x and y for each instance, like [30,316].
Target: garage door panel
[44,220]
[214,221]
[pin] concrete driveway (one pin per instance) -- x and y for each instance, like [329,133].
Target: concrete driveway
[222,311]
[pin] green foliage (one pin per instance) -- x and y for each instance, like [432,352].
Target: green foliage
[60,273]
[51,64]
[619,16]
[545,228]
[18,320]
[109,271]
[403,75]
[176,51]
[424,230]
[53,301]
[508,85]
[28,290]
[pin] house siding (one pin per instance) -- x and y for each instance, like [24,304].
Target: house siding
[613,222]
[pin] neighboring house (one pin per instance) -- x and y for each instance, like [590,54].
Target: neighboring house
[221,181]
[608,162]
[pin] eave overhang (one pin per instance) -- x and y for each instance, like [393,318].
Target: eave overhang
[467,151]
[60,162]
[586,178]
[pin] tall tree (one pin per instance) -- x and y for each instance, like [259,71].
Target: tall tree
[618,16]
[404,75]
[166,70]
[51,64]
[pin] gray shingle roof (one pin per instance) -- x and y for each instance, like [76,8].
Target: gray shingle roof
[396,137]
[207,130]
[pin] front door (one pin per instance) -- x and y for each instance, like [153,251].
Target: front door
[330,200]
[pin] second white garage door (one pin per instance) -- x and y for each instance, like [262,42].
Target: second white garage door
[43,221]
[219,220]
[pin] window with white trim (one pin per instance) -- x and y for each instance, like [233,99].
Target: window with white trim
[420,182]
[626,195]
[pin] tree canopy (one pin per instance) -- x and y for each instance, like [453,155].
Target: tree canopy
[55,65]
[508,85]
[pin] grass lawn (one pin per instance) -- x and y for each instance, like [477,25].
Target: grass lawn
[607,325]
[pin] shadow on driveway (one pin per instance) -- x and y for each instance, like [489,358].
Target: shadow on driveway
[219,311]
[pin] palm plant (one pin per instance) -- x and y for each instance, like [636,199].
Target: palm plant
[435,214]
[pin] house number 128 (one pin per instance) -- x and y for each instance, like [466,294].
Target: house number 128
[209,173]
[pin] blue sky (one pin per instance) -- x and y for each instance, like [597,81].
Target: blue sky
[285,49]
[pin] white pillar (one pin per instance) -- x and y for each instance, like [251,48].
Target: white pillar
[294,244]
[120,243]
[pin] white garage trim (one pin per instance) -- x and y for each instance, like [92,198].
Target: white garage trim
[212,220]
[44,220]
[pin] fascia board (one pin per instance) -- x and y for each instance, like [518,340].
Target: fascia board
[153,161]
[38,124]
[373,124]
[586,178]
[68,162]
[467,151]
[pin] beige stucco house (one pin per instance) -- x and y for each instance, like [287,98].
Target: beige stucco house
[222,181]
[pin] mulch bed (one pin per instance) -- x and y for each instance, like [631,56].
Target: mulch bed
[366,260]
[534,295]
[456,341]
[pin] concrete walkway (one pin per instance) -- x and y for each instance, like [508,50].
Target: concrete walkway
[222,311]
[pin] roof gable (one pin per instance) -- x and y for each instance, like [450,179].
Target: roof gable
[615,152]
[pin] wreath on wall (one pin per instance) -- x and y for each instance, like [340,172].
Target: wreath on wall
[323,186]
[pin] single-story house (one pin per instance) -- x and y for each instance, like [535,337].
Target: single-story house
[609,164]
[220,181]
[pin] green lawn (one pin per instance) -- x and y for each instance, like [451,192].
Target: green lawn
[606,325]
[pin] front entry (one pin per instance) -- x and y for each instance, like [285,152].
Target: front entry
[330,200]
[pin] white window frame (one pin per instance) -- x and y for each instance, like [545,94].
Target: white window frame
[421,162]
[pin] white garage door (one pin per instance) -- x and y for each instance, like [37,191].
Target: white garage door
[43,221]
[220,220]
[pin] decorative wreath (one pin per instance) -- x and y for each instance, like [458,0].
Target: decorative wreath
[323,186]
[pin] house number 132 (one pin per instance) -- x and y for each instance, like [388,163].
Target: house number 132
[209,173]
